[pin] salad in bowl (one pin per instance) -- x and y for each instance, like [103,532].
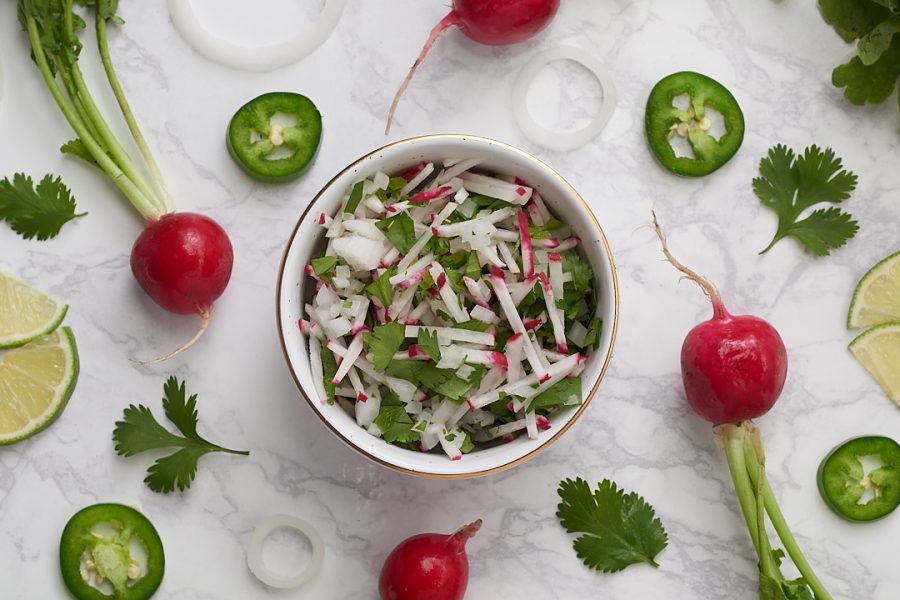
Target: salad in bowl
[447,309]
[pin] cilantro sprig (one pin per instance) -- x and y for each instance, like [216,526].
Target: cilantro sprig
[791,184]
[871,75]
[36,211]
[619,529]
[139,431]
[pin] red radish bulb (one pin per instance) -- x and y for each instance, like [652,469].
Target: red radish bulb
[428,566]
[733,367]
[489,22]
[183,262]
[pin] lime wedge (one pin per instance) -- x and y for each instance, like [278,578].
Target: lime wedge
[876,299]
[26,313]
[878,350]
[36,381]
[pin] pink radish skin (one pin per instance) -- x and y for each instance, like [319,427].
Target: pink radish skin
[183,262]
[428,566]
[489,22]
[733,367]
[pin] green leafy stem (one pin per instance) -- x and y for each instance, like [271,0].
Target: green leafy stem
[746,461]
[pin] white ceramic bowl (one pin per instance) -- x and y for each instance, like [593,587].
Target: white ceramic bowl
[307,241]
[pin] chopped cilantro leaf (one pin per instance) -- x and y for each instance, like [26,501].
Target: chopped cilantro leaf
[386,340]
[428,342]
[324,266]
[381,288]
[400,230]
[566,392]
[356,195]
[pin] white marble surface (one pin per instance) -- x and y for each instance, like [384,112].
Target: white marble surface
[775,57]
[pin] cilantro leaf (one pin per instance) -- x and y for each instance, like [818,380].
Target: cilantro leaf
[619,529]
[139,431]
[400,230]
[473,267]
[355,198]
[324,266]
[382,289]
[875,43]
[428,342]
[329,370]
[36,211]
[386,340]
[582,274]
[853,19]
[566,392]
[592,337]
[394,422]
[869,83]
[790,184]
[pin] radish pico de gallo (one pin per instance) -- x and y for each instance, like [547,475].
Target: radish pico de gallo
[451,310]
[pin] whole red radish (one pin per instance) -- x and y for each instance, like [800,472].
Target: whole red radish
[183,261]
[733,368]
[428,566]
[489,22]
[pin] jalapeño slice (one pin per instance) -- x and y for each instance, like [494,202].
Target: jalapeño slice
[274,137]
[664,121]
[111,552]
[843,481]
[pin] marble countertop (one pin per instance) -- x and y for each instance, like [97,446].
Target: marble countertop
[776,57]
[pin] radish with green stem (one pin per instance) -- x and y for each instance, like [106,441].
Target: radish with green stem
[489,22]
[733,368]
[182,261]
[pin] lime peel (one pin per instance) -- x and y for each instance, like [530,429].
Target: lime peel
[38,380]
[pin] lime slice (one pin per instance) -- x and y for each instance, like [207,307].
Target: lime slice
[26,313]
[36,381]
[876,299]
[878,350]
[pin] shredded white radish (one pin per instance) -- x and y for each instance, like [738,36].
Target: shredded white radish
[456,275]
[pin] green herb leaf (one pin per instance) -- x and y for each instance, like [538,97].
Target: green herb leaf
[356,195]
[386,340]
[139,431]
[324,266]
[473,267]
[869,83]
[77,148]
[473,325]
[582,274]
[400,230]
[566,392]
[620,529]
[394,422]
[592,337]
[395,184]
[428,342]
[791,184]
[329,370]
[382,289]
[853,18]
[36,211]
[443,382]
[875,43]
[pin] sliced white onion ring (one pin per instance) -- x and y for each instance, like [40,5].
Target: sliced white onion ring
[263,530]
[249,58]
[562,141]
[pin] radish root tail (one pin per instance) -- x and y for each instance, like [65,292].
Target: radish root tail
[449,21]
[705,284]
[205,315]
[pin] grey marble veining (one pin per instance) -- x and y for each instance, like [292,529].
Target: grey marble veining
[775,56]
